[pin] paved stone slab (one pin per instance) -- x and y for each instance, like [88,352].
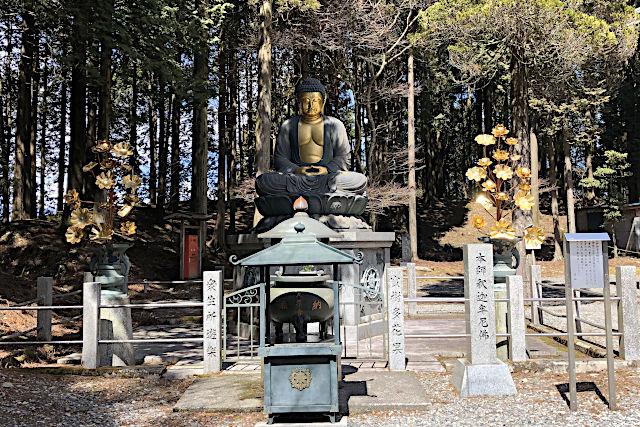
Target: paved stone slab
[361,392]
[183,369]
[368,391]
[223,393]
[293,422]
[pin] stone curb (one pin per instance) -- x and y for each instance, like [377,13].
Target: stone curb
[580,345]
[144,371]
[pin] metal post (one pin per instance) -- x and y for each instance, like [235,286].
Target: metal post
[611,370]
[576,314]
[412,287]
[573,404]
[336,305]
[45,298]
[628,322]
[536,278]
[90,324]
[611,374]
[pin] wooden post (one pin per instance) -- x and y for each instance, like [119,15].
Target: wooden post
[45,294]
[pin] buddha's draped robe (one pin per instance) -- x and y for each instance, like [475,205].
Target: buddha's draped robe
[336,156]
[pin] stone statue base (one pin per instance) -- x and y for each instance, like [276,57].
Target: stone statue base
[338,223]
[482,380]
[322,204]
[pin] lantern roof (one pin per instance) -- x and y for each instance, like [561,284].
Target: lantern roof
[298,248]
[311,226]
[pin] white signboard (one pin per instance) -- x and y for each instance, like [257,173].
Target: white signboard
[587,269]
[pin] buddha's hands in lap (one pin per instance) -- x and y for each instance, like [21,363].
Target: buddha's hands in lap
[311,170]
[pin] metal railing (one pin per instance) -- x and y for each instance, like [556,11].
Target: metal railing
[44,311]
[536,301]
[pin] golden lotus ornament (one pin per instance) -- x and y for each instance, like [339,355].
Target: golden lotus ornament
[485,139]
[534,236]
[499,131]
[476,174]
[502,229]
[479,222]
[74,235]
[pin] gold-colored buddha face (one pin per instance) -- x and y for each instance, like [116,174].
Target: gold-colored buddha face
[311,106]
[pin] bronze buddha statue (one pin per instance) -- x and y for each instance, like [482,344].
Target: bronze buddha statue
[311,158]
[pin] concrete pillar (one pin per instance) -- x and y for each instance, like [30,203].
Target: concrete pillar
[45,293]
[90,321]
[395,307]
[517,329]
[212,320]
[406,247]
[481,373]
[118,321]
[536,277]
[412,287]
[628,321]
[350,296]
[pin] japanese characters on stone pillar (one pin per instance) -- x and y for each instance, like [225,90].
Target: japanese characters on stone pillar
[481,372]
[212,320]
[479,304]
[395,306]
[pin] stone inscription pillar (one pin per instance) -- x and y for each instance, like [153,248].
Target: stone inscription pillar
[481,373]
[395,307]
[212,320]
[479,304]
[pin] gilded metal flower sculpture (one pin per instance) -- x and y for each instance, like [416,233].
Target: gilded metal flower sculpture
[500,192]
[114,174]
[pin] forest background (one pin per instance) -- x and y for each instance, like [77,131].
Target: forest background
[200,87]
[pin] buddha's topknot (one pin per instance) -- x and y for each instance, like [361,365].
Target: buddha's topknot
[310,85]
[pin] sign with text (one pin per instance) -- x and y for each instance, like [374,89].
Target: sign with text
[587,267]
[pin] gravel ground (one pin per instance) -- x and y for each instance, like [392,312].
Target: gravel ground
[538,403]
[28,398]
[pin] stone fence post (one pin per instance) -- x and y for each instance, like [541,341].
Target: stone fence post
[212,320]
[412,287]
[395,317]
[628,321]
[90,324]
[45,295]
[536,292]
[517,341]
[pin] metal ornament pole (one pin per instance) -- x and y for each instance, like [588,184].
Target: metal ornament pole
[611,373]
[573,403]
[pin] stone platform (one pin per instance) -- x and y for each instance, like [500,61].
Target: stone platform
[361,391]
